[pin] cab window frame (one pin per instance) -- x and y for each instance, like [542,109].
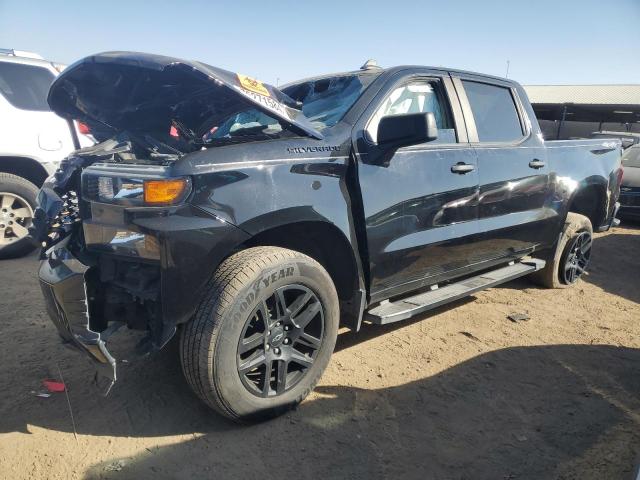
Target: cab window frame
[449,97]
[523,119]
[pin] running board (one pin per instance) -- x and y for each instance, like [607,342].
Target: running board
[389,312]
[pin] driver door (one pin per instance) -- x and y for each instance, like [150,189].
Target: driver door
[420,214]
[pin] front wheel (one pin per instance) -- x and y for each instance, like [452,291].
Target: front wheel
[570,259]
[263,335]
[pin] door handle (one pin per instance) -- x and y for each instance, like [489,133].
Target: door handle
[535,163]
[461,168]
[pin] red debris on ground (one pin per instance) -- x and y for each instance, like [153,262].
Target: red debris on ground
[54,386]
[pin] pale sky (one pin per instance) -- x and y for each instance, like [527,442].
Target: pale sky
[546,41]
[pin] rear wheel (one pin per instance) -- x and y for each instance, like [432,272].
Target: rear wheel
[263,336]
[570,259]
[17,203]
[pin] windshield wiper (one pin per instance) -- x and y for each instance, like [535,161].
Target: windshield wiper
[155,146]
[185,131]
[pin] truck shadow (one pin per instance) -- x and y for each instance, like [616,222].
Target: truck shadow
[565,411]
[615,267]
[350,338]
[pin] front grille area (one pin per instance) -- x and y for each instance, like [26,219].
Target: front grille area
[62,225]
[91,187]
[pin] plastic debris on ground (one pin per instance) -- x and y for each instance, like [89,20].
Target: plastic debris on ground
[40,394]
[54,386]
[115,466]
[518,317]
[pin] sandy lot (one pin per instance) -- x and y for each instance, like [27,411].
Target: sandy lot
[462,393]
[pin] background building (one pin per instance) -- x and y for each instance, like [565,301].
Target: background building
[576,111]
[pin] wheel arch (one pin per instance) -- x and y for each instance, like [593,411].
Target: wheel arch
[25,167]
[590,200]
[328,245]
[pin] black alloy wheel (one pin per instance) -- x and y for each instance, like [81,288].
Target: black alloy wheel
[280,341]
[263,333]
[577,258]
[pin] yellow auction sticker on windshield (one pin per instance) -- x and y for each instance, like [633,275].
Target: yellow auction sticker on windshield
[253,85]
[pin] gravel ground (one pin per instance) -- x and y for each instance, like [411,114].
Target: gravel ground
[461,393]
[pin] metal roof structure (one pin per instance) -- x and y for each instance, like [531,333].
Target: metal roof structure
[586,103]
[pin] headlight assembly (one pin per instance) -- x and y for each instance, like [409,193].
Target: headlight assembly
[135,191]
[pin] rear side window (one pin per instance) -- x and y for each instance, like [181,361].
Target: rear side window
[25,86]
[494,112]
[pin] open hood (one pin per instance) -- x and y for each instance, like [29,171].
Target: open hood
[145,93]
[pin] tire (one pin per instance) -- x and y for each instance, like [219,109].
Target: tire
[576,226]
[230,315]
[23,193]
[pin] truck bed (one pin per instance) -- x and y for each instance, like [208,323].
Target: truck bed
[588,162]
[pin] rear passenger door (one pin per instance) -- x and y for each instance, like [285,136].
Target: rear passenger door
[515,213]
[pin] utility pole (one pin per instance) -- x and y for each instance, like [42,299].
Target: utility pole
[507,74]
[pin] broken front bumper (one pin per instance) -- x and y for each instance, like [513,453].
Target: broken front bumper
[62,279]
[614,220]
[108,266]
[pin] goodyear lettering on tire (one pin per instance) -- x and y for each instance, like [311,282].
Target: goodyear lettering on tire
[264,282]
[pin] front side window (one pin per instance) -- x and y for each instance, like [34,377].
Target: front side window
[494,112]
[416,97]
[25,86]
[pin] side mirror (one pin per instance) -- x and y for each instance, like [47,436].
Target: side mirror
[397,131]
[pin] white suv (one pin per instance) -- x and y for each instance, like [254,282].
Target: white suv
[33,140]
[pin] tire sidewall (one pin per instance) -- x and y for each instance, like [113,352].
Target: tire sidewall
[226,377]
[28,192]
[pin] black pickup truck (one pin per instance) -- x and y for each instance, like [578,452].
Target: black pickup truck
[255,221]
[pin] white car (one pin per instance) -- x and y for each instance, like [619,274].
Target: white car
[33,140]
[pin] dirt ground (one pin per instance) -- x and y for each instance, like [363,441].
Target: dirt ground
[461,393]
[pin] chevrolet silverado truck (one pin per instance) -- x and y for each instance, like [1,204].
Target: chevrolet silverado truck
[255,221]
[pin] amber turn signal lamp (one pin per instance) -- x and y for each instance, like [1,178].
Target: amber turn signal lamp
[165,192]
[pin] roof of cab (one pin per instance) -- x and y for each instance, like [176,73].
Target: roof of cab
[391,70]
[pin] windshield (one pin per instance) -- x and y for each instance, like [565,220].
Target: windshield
[324,103]
[326,100]
[245,125]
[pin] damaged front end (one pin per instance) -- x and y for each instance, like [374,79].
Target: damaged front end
[123,246]
[119,275]
[62,279]
[97,278]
